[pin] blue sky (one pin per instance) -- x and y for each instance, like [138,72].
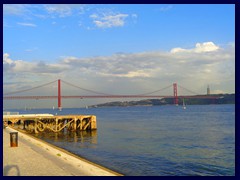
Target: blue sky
[108,47]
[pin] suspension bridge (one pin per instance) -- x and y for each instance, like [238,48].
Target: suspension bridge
[59,96]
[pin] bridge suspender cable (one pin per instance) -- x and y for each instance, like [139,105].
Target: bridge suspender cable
[188,90]
[84,88]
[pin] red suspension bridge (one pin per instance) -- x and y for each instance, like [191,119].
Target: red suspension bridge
[59,96]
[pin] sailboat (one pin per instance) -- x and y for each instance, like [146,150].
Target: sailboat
[184,106]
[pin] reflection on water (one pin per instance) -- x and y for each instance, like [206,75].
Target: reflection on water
[69,136]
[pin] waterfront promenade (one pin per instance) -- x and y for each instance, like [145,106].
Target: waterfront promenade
[35,157]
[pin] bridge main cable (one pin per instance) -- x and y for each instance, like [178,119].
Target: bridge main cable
[15,92]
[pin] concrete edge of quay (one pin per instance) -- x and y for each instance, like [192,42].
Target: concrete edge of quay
[79,163]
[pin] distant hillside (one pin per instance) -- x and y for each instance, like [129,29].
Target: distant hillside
[224,99]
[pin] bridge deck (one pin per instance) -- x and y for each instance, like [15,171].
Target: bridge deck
[48,122]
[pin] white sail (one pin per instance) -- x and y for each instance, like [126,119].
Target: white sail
[184,106]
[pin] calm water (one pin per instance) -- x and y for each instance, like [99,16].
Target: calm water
[158,140]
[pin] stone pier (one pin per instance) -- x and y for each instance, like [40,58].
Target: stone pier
[47,122]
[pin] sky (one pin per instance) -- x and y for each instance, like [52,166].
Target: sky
[117,49]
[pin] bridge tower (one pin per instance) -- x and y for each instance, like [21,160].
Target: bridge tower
[208,90]
[59,95]
[175,100]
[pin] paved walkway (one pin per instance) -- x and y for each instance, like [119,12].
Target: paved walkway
[34,157]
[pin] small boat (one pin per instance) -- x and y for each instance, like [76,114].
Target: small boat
[184,106]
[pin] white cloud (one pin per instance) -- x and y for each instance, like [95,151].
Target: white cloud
[206,47]
[6,59]
[24,67]
[148,71]
[166,8]
[108,20]
[59,9]
[27,24]
[31,49]
[199,48]
[94,16]
[134,15]
[14,9]
[155,64]
[53,10]
[217,91]
[10,65]
[64,10]
[130,74]
[102,19]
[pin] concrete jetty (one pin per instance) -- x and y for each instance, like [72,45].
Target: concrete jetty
[34,157]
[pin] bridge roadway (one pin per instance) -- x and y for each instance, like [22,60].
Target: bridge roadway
[109,96]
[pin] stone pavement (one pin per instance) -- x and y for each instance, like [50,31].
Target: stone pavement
[34,157]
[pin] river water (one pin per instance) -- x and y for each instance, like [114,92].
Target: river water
[155,140]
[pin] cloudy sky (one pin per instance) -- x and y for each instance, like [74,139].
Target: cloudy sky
[117,49]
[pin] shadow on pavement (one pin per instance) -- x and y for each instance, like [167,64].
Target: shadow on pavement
[11,170]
